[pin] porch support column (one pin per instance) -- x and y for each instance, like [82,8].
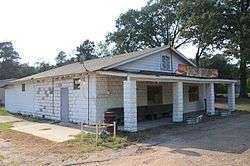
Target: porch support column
[178,102]
[231,97]
[210,99]
[130,106]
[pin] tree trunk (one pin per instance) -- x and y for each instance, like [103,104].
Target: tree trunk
[197,57]
[243,78]
[243,55]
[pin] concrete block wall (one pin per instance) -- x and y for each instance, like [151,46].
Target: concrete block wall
[105,92]
[17,101]
[195,105]
[110,93]
[42,98]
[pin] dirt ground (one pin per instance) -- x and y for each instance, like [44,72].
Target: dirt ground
[223,141]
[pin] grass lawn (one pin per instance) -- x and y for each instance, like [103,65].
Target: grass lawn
[241,104]
[5,126]
[3,112]
[83,143]
[87,142]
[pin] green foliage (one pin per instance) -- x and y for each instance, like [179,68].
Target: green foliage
[61,58]
[86,51]
[103,49]
[220,24]
[43,66]
[3,112]
[222,64]
[5,126]
[204,20]
[7,52]
[248,85]
[87,142]
[8,60]
[154,25]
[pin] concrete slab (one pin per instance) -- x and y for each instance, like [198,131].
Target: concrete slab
[6,119]
[45,130]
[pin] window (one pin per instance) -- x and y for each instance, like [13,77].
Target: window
[165,63]
[77,83]
[154,95]
[23,87]
[193,92]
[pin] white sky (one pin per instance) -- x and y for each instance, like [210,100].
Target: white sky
[40,29]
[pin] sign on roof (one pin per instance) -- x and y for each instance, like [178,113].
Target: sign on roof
[185,70]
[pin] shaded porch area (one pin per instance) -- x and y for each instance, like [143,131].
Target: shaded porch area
[149,124]
[183,95]
[188,95]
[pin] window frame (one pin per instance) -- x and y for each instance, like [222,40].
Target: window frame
[23,87]
[149,102]
[165,64]
[76,86]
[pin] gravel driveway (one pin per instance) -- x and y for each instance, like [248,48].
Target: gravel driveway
[219,142]
[223,141]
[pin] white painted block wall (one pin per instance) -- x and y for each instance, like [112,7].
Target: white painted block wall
[38,99]
[105,92]
[17,101]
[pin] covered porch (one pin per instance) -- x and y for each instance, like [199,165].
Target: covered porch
[183,98]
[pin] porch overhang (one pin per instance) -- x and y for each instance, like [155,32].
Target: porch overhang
[166,78]
[178,98]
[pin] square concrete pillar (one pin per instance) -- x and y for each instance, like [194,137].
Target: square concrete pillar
[231,97]
[130,106]
[178,102]
[210,99]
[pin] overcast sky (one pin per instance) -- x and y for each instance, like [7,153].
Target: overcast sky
[40,29]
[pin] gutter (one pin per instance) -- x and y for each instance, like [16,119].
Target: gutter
[144,77]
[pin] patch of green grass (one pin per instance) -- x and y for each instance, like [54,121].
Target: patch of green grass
[5,126]
[86,142]
[3,112]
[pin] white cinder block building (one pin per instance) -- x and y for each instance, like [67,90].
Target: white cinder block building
[143,85]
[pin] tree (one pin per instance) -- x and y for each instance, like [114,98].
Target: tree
[86,51]
[43,66]
[61,58]
[203,25]
[7,52]
[25,70]
[154,25]
[8,60]
[221,62]
[103,49]
[237,23]
[221,24]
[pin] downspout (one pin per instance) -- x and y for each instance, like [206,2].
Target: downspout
[88,96]
[88,103]
[53,96]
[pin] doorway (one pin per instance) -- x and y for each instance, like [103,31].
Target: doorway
[64,93]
